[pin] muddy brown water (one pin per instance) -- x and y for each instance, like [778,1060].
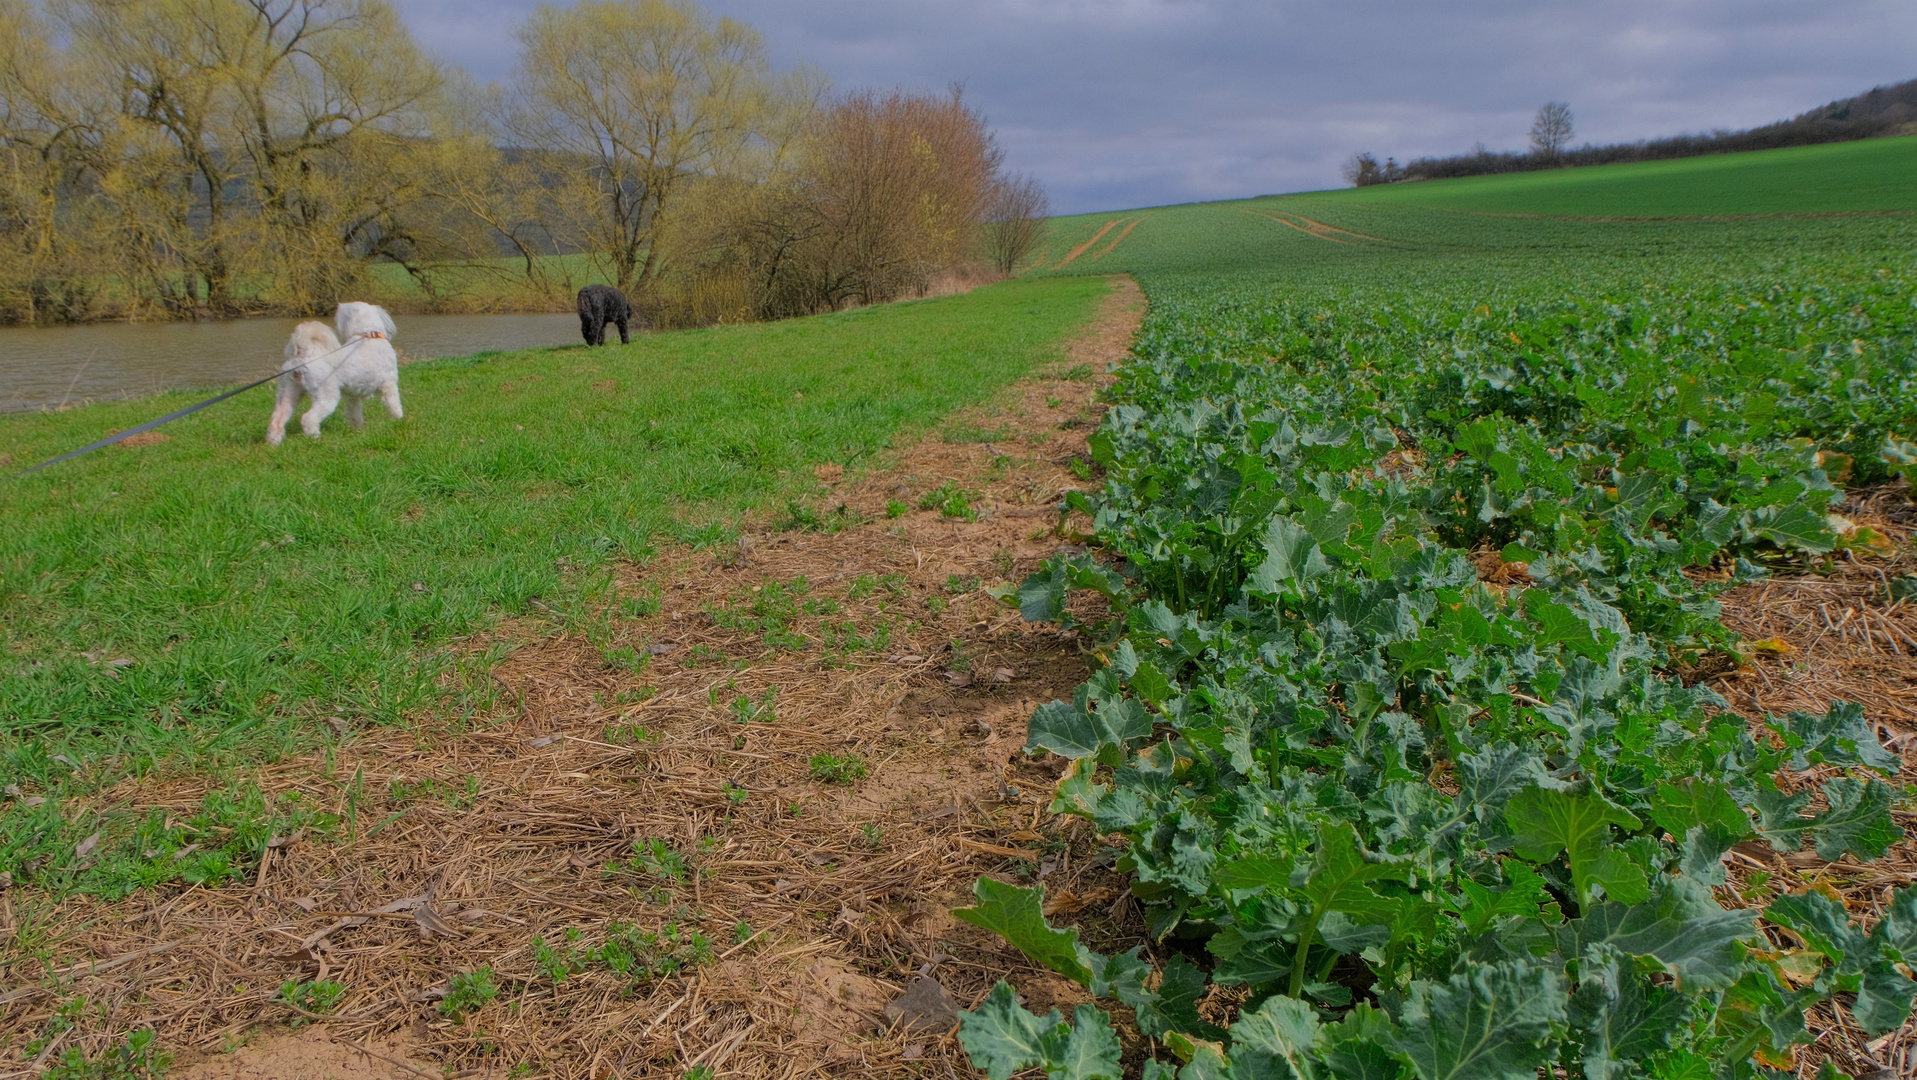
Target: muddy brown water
[47,367]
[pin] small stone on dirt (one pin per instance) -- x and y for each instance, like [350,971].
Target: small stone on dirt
[545,740]
[925,1006]
[959,678]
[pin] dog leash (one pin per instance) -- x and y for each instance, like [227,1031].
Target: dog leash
[188,411]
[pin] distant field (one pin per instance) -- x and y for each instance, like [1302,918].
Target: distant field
[1874,174]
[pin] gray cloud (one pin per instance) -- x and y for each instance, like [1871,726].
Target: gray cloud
[1122,103]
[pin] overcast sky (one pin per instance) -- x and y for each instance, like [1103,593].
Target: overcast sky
[1116,104]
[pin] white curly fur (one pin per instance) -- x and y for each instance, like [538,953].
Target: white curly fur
[323,369]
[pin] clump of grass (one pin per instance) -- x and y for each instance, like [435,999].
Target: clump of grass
[468,992]
[801,517]
[951,501]
[315,997]
[956,585]
[653,857]
[114,854]
[836,769]
[867,585]
[895,508]
[134,1058]
[763,711]
[629,952]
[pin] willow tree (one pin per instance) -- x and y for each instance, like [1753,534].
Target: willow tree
[266,137]
[627,103]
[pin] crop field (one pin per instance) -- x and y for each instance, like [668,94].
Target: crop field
[1418,708]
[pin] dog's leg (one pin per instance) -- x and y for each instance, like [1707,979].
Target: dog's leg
[355,412]
[287,397]
[389,394]
[623,339]
[585,326]
[325,400]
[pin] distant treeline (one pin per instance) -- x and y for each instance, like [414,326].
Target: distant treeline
[179,158]
[1887,110]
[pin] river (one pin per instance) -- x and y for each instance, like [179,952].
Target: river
[47,367]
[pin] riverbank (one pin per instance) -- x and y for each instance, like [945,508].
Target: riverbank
[50,368]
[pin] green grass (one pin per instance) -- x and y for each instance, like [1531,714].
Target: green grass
[1874,174]
[258,592]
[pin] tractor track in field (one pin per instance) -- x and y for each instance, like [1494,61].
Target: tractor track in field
[1087,245]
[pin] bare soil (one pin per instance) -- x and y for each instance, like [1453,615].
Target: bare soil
[823,897]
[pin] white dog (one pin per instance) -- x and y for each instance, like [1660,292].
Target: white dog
[325,370]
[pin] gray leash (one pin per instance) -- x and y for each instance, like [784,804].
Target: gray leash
[175,415]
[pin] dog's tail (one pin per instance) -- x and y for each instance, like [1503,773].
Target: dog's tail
[287,397]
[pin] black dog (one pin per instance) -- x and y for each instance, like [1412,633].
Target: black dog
[599,305]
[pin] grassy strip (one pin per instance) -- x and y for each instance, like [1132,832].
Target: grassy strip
[257,592]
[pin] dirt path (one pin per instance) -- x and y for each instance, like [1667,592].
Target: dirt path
[800,747]
[1086,246]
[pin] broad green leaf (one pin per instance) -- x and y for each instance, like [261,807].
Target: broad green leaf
[1292,555]
[1255,872]
[1042,596]
[1681,927]
[1359,1046]
[1895,935]
[1824,925]
[1883,1000]
[1795,526]
[1558,624]
[1076,792]
[1002,1038]
[1150,683]
[1692,801]
[1087,728]
[1340,874]
[1284,1029]
[1174,1005]
[1490,1023]
[1857,822]
[1018,916]
[1620,1017]
[1546,823]
[1758,1013]
[1621,879]
[1841,736]
[1090,1052]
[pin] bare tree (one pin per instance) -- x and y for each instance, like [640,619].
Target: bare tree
[629,100]
[1551,130]
[1362,170]
[1014,222]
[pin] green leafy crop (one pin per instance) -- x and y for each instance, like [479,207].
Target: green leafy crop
[1401,554]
